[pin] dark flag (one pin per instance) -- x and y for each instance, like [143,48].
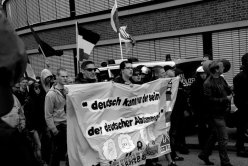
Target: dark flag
[44,48]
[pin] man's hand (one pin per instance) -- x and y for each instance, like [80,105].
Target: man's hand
[55,132]
[229,97]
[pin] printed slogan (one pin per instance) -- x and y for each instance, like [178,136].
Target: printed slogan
[115,126]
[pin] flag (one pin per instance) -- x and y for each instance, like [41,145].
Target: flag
[114,18]
[44,48]
[29,71]
[126,38]
[86,41]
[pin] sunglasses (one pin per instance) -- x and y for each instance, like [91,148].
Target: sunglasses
[136,74]
[91,69]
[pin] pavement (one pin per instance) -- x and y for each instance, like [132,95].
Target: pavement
[192,160]
[192,141]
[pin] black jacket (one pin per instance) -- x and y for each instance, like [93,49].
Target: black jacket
[197,98]
[15,149]
[240,85]
[81,80]
[216,91]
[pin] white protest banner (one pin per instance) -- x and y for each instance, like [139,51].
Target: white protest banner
[115,124]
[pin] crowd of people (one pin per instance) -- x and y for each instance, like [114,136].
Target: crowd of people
[33,112]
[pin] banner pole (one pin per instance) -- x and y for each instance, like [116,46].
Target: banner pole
[120,46]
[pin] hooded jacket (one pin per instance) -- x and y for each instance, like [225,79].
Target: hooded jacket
[44,74]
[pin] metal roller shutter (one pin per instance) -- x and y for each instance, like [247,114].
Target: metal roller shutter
[151,50]
[104,53]
[55,63]
[62,9]
[12,10]
[33,11]
[65,61]
[137,1]
[82,7]
[167,46]
[227,45]
[243,33]
[143,51]
[97,5]
[37,62]
[47,10]
[191,46]
[22,14]
[91,6]
[123,3]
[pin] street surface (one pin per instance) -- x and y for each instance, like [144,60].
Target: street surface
[192,160]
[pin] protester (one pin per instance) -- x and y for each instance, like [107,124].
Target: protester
[176,127]
[136,77]
[55,115]
[47,79]
[87,74]
[159,72]
[179,114]
[218,97]
[46,82]
[146,74]
[13,60]
[198,105]
[126,72]
[37,124]
[16,88]
[22,93]
[240,86]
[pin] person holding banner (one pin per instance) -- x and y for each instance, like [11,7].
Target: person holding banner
[88,74]
[136,78]
[159,72]
[55,115]
[126,72]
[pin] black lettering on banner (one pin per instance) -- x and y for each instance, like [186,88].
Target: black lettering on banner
[94,131]
[99,105]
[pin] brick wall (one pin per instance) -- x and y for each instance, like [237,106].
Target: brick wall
[199,14]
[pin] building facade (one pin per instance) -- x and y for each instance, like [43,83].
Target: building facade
[182,28]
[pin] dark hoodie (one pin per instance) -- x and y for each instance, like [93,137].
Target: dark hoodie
[240,86]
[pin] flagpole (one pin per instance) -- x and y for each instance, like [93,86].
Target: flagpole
[78,62]
[47,65]
[120,45]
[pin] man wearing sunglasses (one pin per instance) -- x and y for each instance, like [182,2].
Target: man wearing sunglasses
[87,74]
[136,77]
